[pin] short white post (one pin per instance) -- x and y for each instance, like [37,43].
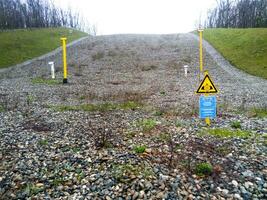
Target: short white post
[185,70]
[52,65]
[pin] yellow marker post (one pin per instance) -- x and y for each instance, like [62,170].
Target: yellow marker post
[65,72]
[207,119]
[200,50]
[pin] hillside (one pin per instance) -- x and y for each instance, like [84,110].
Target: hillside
[126,126]
[20,45]
[244,48]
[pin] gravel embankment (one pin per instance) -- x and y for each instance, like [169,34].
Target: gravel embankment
[76,154]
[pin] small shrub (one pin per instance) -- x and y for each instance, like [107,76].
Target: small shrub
[57,181]
[149,67]
[75,149]
[30,99]
[139,149]
[97,56]
[78,69]
[131,134]
[64,108]
[2,109]
[68,167]
[178,147]
[259,112]
[158,113]
[147,124]
[123,172]
[103,137]
[203,169]
[236,124]
[80,175]
[112,53]
[178,124]
[162,93]
[31,189]
[224,150]
[82,97]
[129,96]
[186,59]
[217,169]
[129,105]
[43,142]
[164,137]
[174,64]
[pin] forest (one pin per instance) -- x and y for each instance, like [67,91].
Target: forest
[15,14]
[238,14]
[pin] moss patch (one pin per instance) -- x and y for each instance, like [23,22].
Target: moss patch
[225,133]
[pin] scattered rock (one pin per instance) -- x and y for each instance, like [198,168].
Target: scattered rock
[247,173]
[235,183]
[71,142]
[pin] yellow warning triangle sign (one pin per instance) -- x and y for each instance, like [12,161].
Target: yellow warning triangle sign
[207,86]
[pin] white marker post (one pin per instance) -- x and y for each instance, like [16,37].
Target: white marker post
[52,65]
[185,70]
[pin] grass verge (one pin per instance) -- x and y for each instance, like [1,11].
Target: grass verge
[45,81]
[129,105]
[244,48]
[20,45]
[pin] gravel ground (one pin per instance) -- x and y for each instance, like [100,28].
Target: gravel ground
[126,125]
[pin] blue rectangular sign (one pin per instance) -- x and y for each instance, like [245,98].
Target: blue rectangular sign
[207,107]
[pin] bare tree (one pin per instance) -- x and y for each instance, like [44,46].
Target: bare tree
[37,13]
[238,14]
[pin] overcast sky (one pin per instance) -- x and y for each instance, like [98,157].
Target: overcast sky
[141,16]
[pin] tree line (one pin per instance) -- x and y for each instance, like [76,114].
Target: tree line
[16,14]
[238,14]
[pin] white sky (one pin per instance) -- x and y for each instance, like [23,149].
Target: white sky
[141,16]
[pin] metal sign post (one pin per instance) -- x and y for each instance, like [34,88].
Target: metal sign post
[207,104]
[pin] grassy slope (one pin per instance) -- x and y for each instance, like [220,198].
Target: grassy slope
[244,48]
[19,45]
